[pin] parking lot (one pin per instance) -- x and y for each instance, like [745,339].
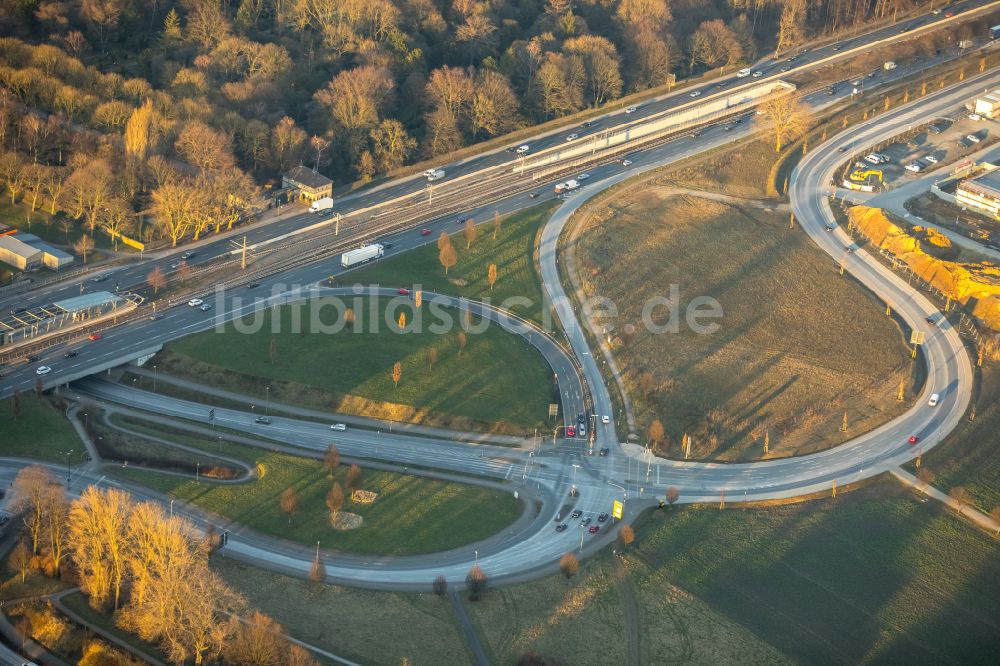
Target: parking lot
[946,140]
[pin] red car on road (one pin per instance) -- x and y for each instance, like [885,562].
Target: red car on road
[913,439]
[425,232]
[94,336]
[404,291]
[570,431]
[595,529]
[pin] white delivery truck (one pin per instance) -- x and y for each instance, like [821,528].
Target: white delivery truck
[572,184]
[434,174]
[743,73]
[361,255]
[320,205]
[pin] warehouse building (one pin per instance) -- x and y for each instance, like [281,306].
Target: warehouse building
[19,254]
[308,184]
[52,257]
[981,194]
[988,106]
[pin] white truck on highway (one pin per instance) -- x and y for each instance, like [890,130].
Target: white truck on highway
[433,174]
[568,186]
[889,64]
[361,255]
[320,205]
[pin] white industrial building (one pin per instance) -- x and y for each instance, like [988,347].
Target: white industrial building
[981,194]
[19,254]
[988,106]
[52,257]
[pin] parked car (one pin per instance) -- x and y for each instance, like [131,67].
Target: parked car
[915,167]
[931,159]
[972,138]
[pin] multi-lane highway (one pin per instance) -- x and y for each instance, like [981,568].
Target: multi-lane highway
[365,226]
[600,479]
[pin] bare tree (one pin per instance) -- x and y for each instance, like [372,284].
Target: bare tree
[331,459]
[20,559]
[569,565]
[98,521]
[317,572]
[786,118]
[491,275]
[289,502]
[475,582]
[33,490]
[443,240]
[431,354]
[448,257]
[961,497]
[156,279]
[354,477]
[397,373]
[655,432]
[440,586]
[272,350]
[925,475]
[626,535]
[83,246]
[335,500]
[255,640]
[672,495]
[463,340]
[470,232]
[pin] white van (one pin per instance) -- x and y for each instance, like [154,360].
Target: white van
[935,398]
[743,73]
[521,150]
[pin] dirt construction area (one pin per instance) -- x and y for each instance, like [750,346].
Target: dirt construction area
[799,350]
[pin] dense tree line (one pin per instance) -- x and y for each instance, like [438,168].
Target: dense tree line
[360,87]
[149,568]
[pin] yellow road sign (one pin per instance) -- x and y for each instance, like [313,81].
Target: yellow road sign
[617,510]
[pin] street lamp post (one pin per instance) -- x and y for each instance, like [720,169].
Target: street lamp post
[477,557]
[267,407]
[171,508]
[69,455]
[154,379]
[251,418]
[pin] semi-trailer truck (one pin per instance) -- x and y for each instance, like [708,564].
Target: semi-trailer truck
[320,205]
[361,255]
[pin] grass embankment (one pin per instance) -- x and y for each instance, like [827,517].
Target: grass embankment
[863,578]
[742,172]
[797,347]
[412,515]
[362,625]
[39,431]
[497,383]
[970,457]
[513,251]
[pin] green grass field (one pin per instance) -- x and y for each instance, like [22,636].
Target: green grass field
[513,252]
[41,431]
[412,515]
[860,579]
[497,383]
[362,625]
[797,346]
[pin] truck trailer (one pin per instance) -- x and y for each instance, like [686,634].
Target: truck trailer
[320,205]
[361,255]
